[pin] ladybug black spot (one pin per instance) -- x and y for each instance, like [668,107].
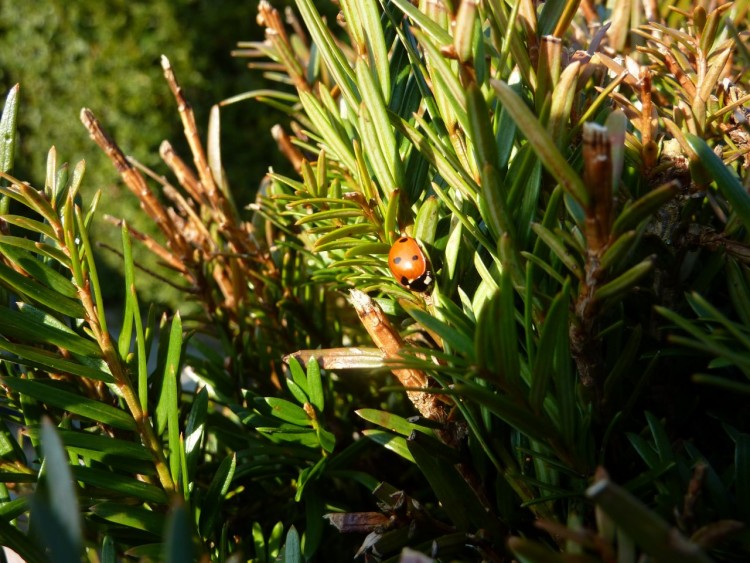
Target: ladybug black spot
[420,284]
[397,260]
[415,258]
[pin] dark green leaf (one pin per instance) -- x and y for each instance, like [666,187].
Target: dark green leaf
[131,516]
[615,254]
[373,110]
[458,341]
[436,33]
[216,493]
[426,223]
[296,391]
[393,442]
[120,484]
[493,204]
[726,180]
[31,325]
[315,385]
[27,548]
[643,526]
[327,439]
[480,131]
[336,142]
[456,497]
[259,543]
[178,544]
[722,382]
[13,509]
[34,290]
[105,444]
[51,394]
[147,552]
[518,416]
[131,299]
[298,375]
[329,215]
[30,225]
[643,208]
[307,437]
[109,551]
[292,552]
[504,336]
[706,310]
[49,361]
[330,52]
[550,16]
[195,429]
[532,552]
[554,330]
[93,277]
[37,248]
[644,449]
[557,246]
[738,290]
[55,511]
[37,269]
[392,422]
[625,282]
[288,411]
[168,406]
[314,521]
[543,144]
[623,365]
[662,443]
[8,130]
[338,237]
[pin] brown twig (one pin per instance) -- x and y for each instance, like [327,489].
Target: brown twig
[169,259]
[135,182]
[184,175]
[389,341]
[597,178]
[196,147]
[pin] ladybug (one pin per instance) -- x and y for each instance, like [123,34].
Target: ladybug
[409,265]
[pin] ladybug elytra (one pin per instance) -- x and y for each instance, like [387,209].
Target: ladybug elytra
[409,265]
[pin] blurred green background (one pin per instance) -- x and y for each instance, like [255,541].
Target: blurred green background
[105,56]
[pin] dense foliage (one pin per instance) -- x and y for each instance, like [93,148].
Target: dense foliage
[572,386]
[105,55]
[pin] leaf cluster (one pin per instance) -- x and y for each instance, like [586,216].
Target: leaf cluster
[582,197]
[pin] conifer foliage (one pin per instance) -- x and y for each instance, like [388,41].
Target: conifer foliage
[568,382]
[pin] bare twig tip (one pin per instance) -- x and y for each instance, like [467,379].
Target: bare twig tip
[86,115]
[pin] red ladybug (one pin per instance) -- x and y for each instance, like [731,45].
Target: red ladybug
[409,265]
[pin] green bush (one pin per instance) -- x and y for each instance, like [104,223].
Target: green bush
[580,194]
[67,55]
